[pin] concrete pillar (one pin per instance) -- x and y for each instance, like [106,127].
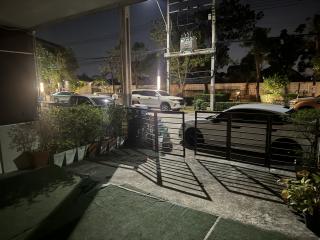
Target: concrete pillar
[125,48]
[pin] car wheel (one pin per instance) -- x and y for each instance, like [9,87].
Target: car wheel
[286,151]
[165,107]
[190,136]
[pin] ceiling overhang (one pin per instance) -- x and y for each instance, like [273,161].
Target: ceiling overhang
[29,14]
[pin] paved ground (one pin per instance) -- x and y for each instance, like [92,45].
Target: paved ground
[238,192]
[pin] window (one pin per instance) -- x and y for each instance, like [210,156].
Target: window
[83,100]
[73,100]
[163,93]
[150,93]
[102,101]
[251,116]
[64,93]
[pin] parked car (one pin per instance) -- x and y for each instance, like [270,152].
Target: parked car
[248,131]
[157,99]
[62,97]
[305,103]
[93,100]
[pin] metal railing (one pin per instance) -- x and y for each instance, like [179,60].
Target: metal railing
[158,130]
[255,138]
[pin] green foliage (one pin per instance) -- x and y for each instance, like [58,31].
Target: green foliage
[141,63]
[306,124]
[219,97]
[271,98]
[158,33]
[304,194]
[62,128]
[34,136]
[316,66]
[275,84]
[204,97]
[291,96]
[78,126]
[200,104]
[23,137]
[181,66]
[236,21]
[56,65]
[116,119]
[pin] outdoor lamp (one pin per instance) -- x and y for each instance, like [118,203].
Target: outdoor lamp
[158,82]
[41,87]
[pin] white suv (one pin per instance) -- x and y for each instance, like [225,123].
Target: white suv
[157,99]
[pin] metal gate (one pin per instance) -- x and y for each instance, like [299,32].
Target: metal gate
[157,130]
[254,138]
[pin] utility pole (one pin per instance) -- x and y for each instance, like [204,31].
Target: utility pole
[125,55]
[213,46]
[168,46]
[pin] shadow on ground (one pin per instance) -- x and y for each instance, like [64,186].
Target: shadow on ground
[44,203]
[245,181]
[168,171]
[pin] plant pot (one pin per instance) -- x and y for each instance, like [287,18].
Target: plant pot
[93,150]
[70,154]
[313,222]
[81,152]
[24,161]
[40,159]
[58,158]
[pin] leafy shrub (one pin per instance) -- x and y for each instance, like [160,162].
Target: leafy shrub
[204,105]
[303,195]
[34,136]
[291,96]
[219,97]
[272,98]
[200,104]
[116,120]
[316,66]
[203,97]
[306,124]
[275,84]
[77,126]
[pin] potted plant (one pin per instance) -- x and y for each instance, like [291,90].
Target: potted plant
[77,127]
[33,139]
[303,195]
[23,138]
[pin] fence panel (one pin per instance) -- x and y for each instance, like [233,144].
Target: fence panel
[253,137]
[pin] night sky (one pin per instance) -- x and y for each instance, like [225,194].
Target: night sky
[90,36]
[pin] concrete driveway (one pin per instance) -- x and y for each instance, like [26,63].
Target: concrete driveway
[231,190]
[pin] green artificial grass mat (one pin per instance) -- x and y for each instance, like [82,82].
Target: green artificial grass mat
[118,213]
[227,229]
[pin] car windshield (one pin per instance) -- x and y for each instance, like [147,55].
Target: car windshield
[101,101]
[163,93]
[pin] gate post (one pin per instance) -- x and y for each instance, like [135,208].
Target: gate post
[183,137]
[195,132]
[268,142]
[316,145]
[156,134]
[228,142]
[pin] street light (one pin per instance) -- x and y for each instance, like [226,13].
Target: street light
[41,87]
[158,82]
